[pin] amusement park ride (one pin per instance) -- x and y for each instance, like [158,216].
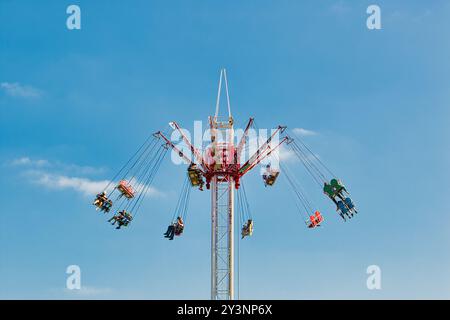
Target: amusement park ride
[220,169]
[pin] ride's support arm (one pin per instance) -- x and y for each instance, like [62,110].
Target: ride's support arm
[263,155]
[262,150]
[175,148]
[242,141]
[195,152]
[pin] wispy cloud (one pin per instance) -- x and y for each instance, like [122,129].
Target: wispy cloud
[21,91]
[56,166]
[286,154]
[25,161]
[303,132]
[84,186]
[282,154]
[56,175]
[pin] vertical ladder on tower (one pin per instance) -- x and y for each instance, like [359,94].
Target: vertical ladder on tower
[222,204]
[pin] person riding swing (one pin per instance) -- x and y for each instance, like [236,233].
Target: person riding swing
[123,218]
[115,218]
[107,206]
[247,229]
[335,189]
[174,229]
[100,199]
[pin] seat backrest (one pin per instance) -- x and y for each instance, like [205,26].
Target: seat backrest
[349,202]
[342,206]
[328,189]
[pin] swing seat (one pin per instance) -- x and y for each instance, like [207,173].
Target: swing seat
[125,188]
[247,229]
[194,179]
[98,203]
[342,207]
[195,176]
[178,230]
[106,205]
[349,204]
[315,220]
[126,219]
[336,187]
[246,232]
[270,176]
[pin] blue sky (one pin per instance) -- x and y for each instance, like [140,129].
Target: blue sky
[74,105]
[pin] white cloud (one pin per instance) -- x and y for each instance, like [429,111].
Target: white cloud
[77,169]
[25,161]
[18,90]
[151,192]
[303,132]
[56,166]
[282,154]
[286,154]
[60,182]
[85,186]
[56,175]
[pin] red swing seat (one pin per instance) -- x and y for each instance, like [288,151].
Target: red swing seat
[315,220]
[125,188]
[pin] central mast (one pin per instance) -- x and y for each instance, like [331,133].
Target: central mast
[220,167]
[222,201]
